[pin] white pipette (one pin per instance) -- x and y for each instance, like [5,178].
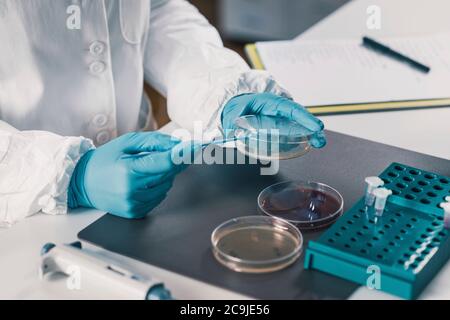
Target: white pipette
[220,141]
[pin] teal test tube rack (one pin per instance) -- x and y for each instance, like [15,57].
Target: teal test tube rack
[408,245]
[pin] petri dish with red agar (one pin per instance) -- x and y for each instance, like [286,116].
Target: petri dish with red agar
[307,205]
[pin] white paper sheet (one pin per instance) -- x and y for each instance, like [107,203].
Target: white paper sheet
[344,72]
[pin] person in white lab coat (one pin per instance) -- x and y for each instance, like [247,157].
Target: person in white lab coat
[71,80]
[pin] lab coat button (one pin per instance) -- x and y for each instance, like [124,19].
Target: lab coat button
[97,48]
[97,67]
[102,137]
[100,120]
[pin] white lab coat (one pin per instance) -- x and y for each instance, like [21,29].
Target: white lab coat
[64,90]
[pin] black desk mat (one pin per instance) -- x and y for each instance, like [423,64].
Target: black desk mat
[176,235]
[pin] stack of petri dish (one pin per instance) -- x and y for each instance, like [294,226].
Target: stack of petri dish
[273,240]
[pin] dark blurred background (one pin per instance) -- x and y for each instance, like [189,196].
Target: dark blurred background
[245,21]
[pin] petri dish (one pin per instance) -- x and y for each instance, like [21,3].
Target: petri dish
[307,205]
[256,244]
[269,138]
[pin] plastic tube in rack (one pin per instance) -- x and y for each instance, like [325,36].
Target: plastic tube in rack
[372,184]
[446,207]
[381,195]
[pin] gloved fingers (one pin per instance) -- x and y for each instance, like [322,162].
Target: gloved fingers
[152,163]
[185,152]
[155,167]
[145,201]
[237,106]
[161,189]
[142,201]
[147,207]
[139,209]
[289,109]
[153,192]
[149,181]
[137,142]
[318,140]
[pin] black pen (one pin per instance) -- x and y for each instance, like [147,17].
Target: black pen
[381,48]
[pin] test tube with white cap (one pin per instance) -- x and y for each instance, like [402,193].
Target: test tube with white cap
[446,207]
[381,195]
[372,184]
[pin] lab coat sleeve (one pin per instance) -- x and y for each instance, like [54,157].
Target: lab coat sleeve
[185,61]
[35,170]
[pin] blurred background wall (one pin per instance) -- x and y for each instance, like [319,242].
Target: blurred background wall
[244,21]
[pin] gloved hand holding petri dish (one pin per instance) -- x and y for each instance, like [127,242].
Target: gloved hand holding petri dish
[271,138]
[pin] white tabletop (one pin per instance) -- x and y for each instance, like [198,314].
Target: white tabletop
[424,131]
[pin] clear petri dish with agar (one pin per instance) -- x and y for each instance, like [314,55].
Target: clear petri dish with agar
[307,205]
[269,138]
[256,244]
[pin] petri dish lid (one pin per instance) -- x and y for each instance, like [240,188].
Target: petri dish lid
[268,138]
[256,244]
[307,205]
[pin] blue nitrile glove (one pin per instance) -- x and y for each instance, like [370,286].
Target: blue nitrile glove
[128,176]
[272,105]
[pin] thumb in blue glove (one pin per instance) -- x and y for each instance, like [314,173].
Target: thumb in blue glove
[272,105]
[128,176]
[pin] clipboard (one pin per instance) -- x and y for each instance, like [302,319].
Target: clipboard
[252,54]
